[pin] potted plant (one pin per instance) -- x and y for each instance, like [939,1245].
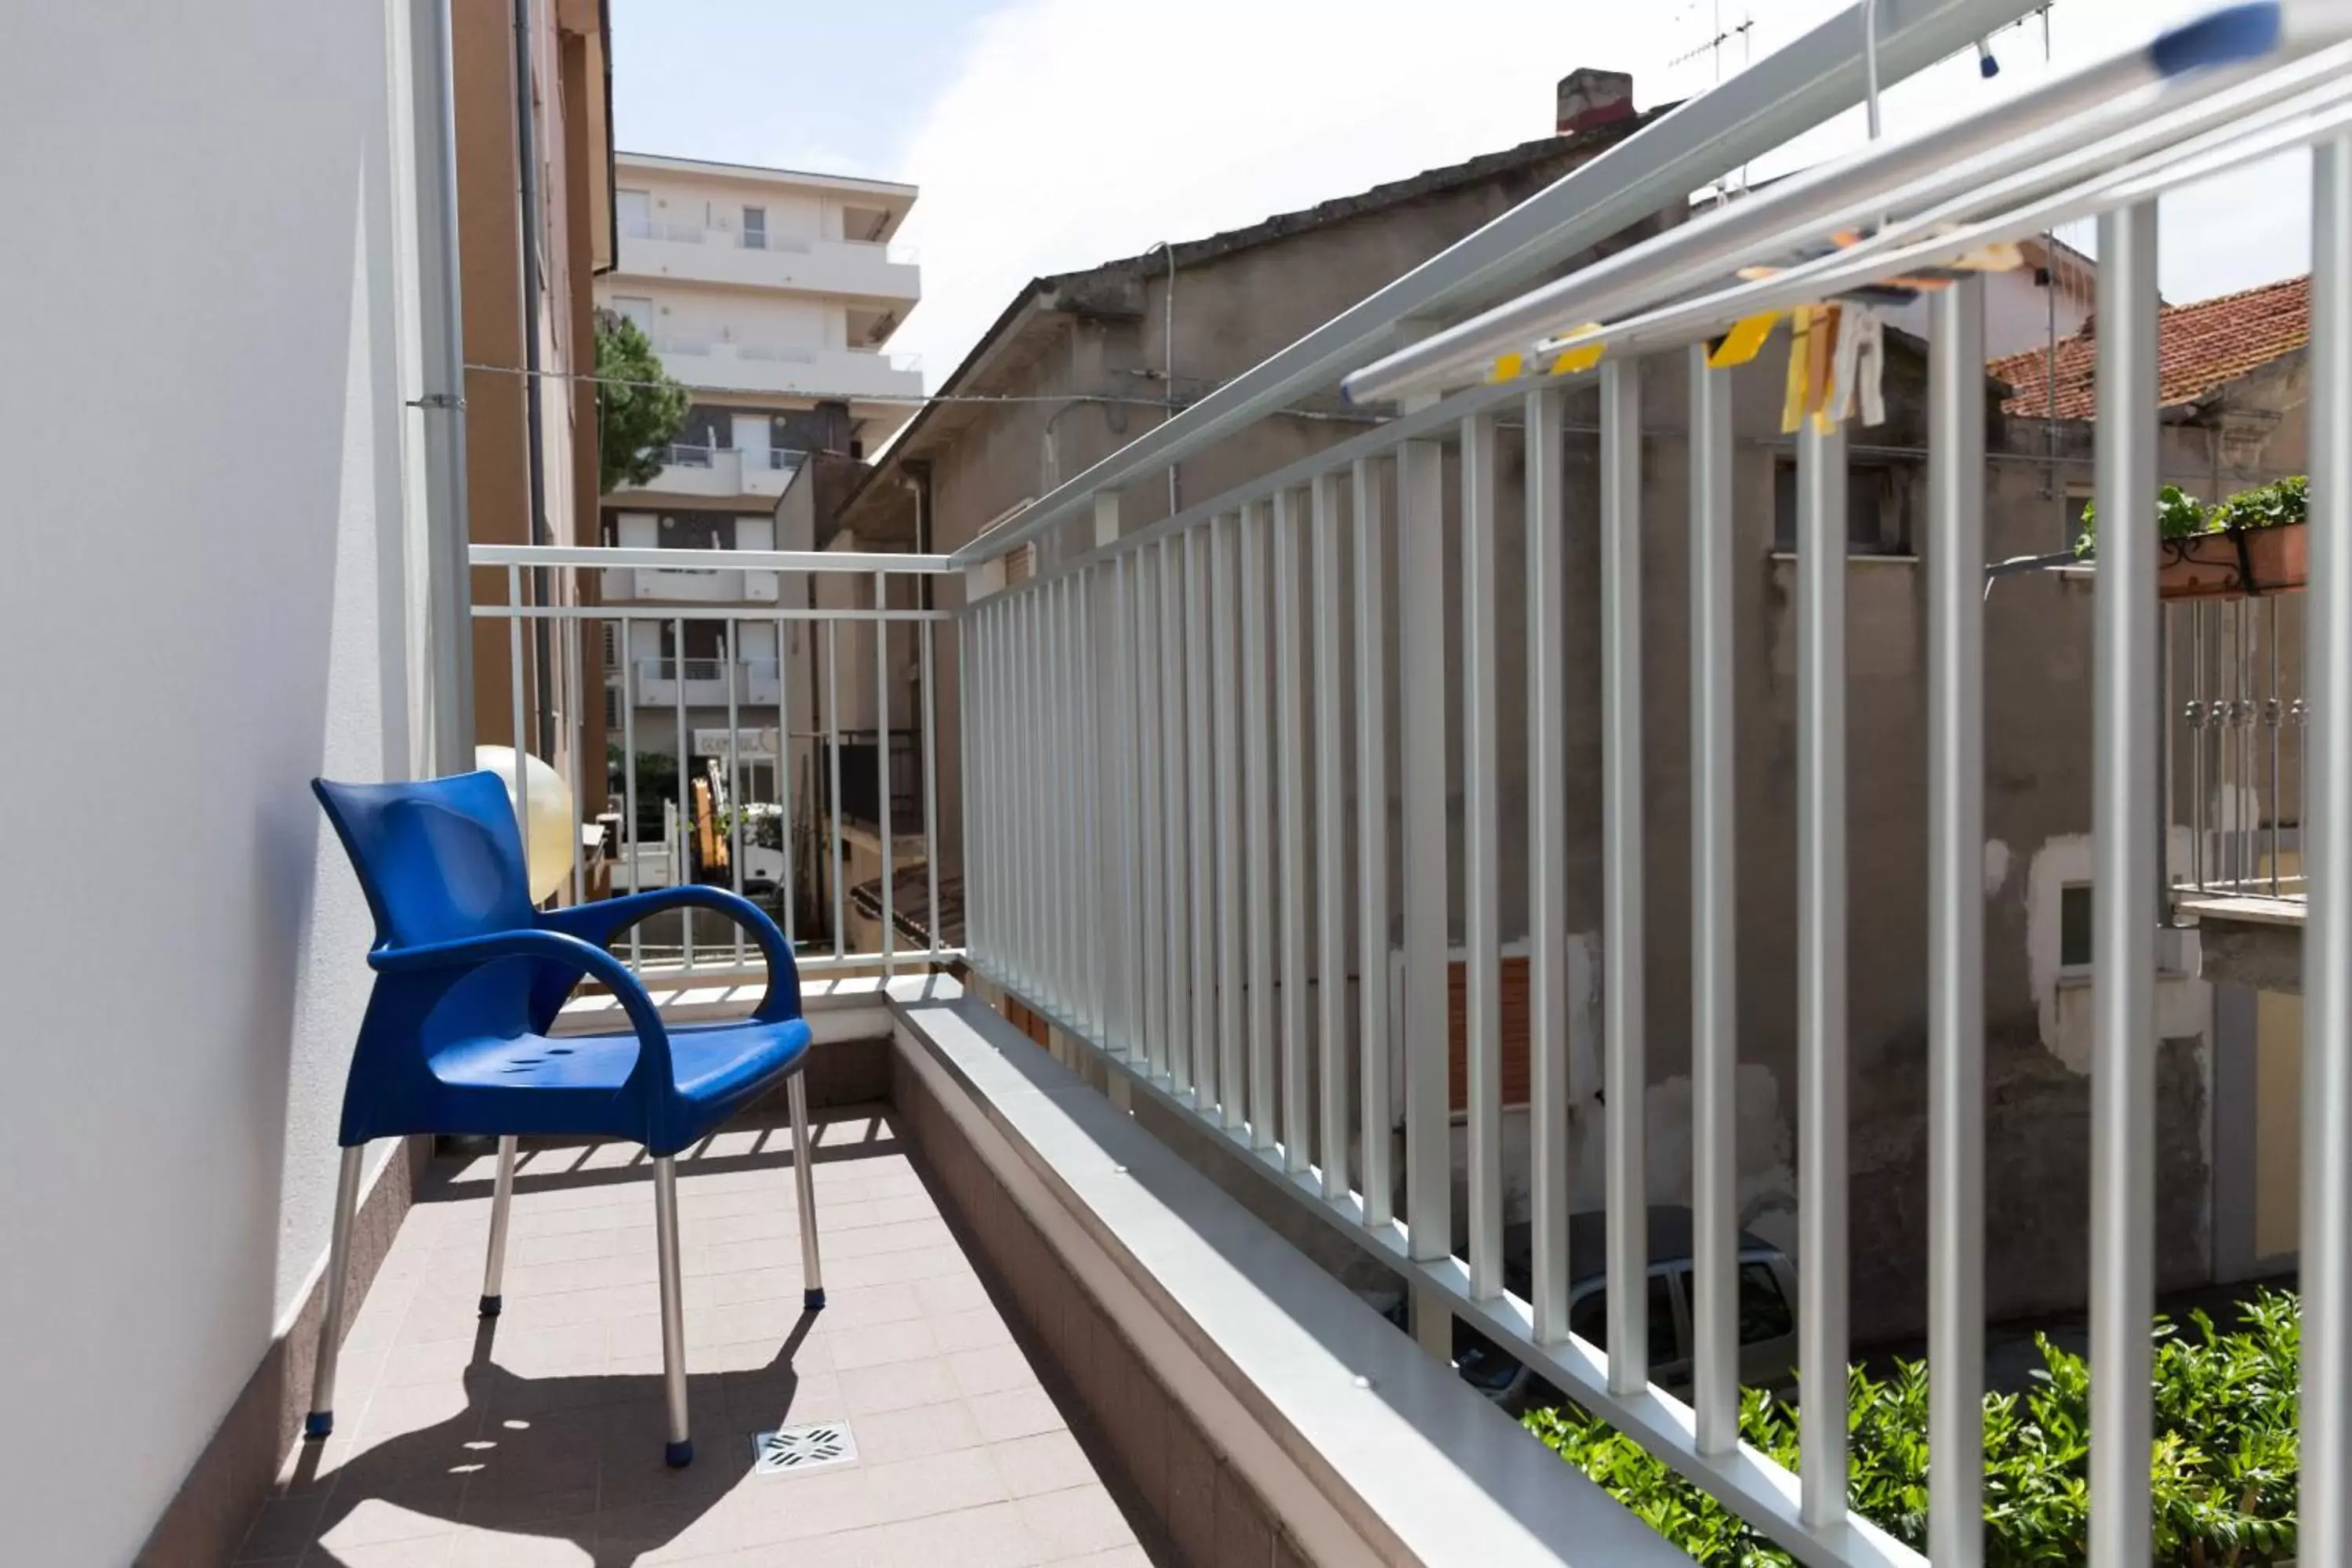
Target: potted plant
[2254,543]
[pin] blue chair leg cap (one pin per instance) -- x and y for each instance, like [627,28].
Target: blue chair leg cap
[317,1425]
[813,1300]
[677,1456]
[490,1305]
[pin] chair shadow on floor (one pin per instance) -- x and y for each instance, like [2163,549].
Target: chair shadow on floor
[575,1458]
[567,1459]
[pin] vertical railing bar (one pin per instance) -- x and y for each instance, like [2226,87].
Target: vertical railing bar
[1956,753]
[1174,824]
[1482,1013]
[2201,715]
[1714,917]
[1821,970]
[931,782]
[1551,1170]
[1037,726]
[1625,1073]
[1421,753]
[521,749]
[1084,975]
[682,865]
[1052,811]
[2123,1076]
[1148,845]
[1330,840]
[971,703]
[576,652]
[1291,777]
[1206,912]
[1092,756]
[1258,808]
[1372,850]
[832,801]
[629,776]
[786,775]
[2325,1506]
[2273,717]
[1121,700]
[735,778]
[882,772]
[1231,1102]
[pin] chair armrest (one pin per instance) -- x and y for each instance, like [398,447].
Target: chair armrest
[565,952]
[598,921]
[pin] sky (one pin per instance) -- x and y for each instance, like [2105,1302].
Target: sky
[1050,135]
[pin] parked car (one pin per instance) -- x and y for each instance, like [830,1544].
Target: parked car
[1767,1313]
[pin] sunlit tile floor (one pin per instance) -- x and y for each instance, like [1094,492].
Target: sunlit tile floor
[537,1439]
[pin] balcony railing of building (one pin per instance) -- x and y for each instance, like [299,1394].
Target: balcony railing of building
[1166,727]
[767,458]
[713,796]
[2241,736]
[765,239]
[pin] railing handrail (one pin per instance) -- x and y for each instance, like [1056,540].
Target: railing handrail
[1786,93]
[618,556]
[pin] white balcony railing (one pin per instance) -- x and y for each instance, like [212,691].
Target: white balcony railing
[726,365]
[806,716]
[1192,741]
[764,258]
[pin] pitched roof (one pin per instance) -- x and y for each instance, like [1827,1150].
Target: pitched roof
[2200,346]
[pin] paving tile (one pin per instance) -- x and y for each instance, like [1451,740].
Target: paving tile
[990,1537]
[992,1370]
[1115,1557]
[286,1527]
[1015,1412]
[974,1328]
[938,1483]
[851,1347]
[869,1390]
[1047,1462]
[914,1433]
[1075,1520]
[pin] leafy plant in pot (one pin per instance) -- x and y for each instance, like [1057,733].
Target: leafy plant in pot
[2253,543]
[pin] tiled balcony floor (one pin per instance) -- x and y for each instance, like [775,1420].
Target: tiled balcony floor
[537,1439]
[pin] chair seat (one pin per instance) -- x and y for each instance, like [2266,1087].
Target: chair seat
[568,1084]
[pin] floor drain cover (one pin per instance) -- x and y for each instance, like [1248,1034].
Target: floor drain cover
[792,1450]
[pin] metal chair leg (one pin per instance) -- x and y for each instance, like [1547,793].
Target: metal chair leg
[320,1421]
[680,1451]
[804,1177]
[501,1195]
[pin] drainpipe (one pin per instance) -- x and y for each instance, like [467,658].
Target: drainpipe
[526,154]
[449,626]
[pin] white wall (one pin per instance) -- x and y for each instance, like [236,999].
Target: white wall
[183,947]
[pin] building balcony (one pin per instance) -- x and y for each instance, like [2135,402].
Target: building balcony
[851,268]
[720,473]
[688,586]
[705,682]
[722,367]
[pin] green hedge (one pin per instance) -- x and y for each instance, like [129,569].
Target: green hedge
[2223,1465]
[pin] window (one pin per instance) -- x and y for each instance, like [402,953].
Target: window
[1875,524]
[705,647]
[612,708]
[697,530]
[636,213]
[2074,926]
[1588,1320]
[755,228]
[637,310]
[1763,1311]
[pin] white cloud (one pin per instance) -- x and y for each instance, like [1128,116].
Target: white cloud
[1077,131]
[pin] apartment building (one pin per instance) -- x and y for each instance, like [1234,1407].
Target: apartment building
[772,294]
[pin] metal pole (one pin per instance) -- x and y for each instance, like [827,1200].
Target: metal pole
[2326,1493]
[2123,1076]
[1330,838]
[1625,1072]
[1258,808]
[1290,747]
[1821,968]
[734,779]
[1715,918]
[440,303]
[682,865]
[1955,926]
[1207,913]
[932,788]
[1232,1029]
[882,769]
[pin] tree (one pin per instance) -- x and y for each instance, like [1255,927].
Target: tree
[638,406]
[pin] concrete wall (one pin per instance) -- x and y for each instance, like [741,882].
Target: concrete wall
[167,1177]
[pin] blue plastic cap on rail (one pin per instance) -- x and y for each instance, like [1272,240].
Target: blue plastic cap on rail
[2230,37]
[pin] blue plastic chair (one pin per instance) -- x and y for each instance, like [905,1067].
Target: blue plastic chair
[470,978]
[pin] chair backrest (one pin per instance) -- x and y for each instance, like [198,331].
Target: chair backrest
[439,858]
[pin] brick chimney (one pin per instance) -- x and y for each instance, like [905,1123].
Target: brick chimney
[1589,99]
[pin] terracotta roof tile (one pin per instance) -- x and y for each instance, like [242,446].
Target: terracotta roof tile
[2199,347]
